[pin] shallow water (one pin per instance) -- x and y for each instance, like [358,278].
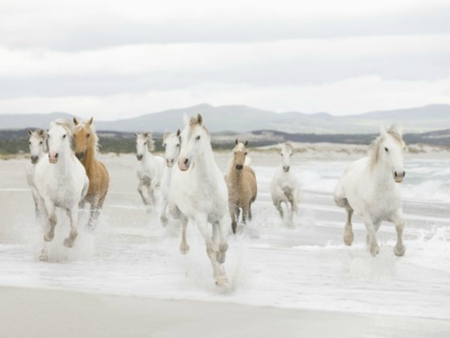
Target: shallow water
[268,263]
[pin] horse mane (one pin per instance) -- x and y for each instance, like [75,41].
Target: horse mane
[194,121]
[150,140]
[376,145]
[289,146]
[65,123]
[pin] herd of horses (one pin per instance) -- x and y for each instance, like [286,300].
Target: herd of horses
[192,187]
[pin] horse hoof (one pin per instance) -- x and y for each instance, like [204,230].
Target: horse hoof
[399,250]
[68,243]
[222,281]
[48,237]
[348,238]
[184,249]
[375,250]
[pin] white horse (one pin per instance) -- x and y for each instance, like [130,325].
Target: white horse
[368,187]
[37,144]
[61,181]
[172,145]
[150,168]
[199,192]
[284,187]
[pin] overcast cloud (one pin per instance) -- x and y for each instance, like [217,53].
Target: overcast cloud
[114,59]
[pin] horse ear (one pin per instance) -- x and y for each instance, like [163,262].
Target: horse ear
[396,128]
[90,121]
[246,143]
[178,132]
[237,142]
[186,119]
[383,132]
[75,121]
[136,134]
[200,119]
[29,132]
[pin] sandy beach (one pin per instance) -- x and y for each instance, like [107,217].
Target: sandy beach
[128,279]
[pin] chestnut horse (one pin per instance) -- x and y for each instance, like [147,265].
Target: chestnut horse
[86,151]
[242,188]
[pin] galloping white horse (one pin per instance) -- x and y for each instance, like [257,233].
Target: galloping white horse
[284,187]
[61,180]
[198,192]
[150,168]
[368,187]
[172,145]
[37,143]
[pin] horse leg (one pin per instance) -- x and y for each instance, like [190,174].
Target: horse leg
[219,275]
[96,208]
[371,236]
[223,245]
[48,236]
[399,249]
[144,199]
[348,233]
[277,205]
[73,215]
[250,216]
[163,217]
[184,247]
[245,213]
[234,210]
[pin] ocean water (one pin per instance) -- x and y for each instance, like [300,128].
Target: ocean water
[305,265]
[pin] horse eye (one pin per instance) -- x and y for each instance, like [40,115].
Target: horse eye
[40,142]
[64,136]
[197,138]
[145,143]
[87,135]
[29,143]
[291,155]
[245,153]
[164,145]
[178,145]
[386,149]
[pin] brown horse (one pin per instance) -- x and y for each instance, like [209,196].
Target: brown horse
[242,189]
[86,151]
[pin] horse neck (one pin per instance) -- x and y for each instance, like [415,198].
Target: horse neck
[382,173]
[203,164]
[89,158]
[64,160]
[235,175]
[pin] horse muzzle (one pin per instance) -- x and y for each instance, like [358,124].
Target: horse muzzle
[169,162]
[80,155]
[139,157]
[34,159]
[184,164]
[399,176]
[239,167]
[286,169]
[53,158]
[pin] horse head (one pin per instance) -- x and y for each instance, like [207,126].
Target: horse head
[59,138]
[85,137]
[37,143]
[144,143]
[391,148]
[172,145]
[194,140]
[240,153]
[286,153]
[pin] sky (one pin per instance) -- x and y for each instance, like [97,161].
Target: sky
[114,59]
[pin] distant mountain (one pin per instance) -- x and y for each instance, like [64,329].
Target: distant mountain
[243,118]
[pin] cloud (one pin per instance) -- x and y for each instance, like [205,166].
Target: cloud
[341,98]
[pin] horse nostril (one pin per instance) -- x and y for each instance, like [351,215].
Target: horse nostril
[395,174]
[186,161]
[56,155]
[404,173]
